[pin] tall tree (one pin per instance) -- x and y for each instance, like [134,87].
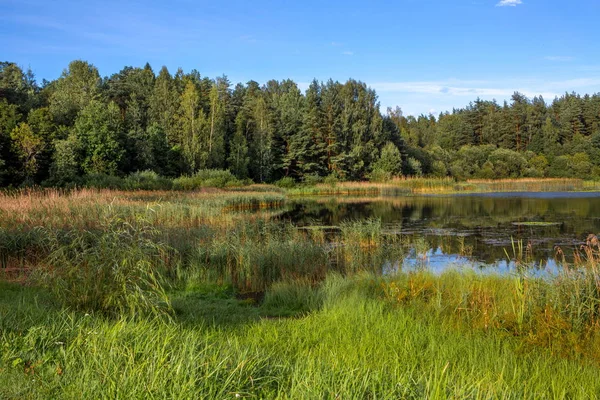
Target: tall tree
[27,145]
[218,119]
[99,132]
[78,85]
[193,127]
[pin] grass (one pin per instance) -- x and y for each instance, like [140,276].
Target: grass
[354,345]
[414,186]
[164,294]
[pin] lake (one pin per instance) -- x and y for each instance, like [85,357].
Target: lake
[477,230]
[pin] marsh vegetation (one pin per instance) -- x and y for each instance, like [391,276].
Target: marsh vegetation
[252,292]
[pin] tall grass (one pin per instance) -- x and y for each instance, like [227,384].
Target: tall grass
[119,271]
[561,313]
[356,346]
[124,258]
[410,185]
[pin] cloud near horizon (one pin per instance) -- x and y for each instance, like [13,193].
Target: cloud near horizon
[509,3]
[559,58]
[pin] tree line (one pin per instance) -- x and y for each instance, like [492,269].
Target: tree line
[80,125]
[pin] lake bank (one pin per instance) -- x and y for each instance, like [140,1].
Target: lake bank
[230,293]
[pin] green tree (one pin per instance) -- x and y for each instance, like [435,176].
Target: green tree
[98,130]
[507,163]
[219,102]
[78,85]
[238,156]
[27,145]
[164,104]
[193,129]
[390,160]
[66,161]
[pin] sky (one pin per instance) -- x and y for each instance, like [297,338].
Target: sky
[425,56]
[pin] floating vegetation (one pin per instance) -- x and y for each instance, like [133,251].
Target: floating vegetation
[537,223]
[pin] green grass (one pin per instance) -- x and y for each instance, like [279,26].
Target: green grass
[536,223]
[354,345]
[173,295]
[445,186]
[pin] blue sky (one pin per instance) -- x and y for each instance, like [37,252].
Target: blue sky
[422,55]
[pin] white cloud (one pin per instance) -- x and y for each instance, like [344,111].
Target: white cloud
[471,89]
[348,53]
[509,3]
[559,58]
[416,97]
[336,44]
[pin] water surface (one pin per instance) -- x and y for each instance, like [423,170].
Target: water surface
[478,230]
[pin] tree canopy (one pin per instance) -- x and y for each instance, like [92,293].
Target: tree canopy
[136,120]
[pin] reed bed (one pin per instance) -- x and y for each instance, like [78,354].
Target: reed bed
[414,186]
[526,185]
[183,295]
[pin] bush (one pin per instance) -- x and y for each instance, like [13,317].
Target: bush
[390,160]
[312,179]
[207,178]
[379,175]
[103,181]
[331,180]
[147,180]
[507,163]
[286,182]
[414,167]
[438,169]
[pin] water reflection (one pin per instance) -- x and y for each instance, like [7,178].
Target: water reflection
[477,231]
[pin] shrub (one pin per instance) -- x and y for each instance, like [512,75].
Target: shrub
[507,163]
[103,181]
[390,160]
[312,179]
[286,182]
[414,167]
[207,178]
[331,180]
[379,175]
[147,180]
[438,169]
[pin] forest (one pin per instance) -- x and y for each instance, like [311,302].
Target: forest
[82,127]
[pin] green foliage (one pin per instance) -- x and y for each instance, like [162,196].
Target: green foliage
[507,163]
[238,156]
[65,164]
[380,175]
[78,85]
[390,160]
[414,167]
[147,180]
[99,131]
[178,124]
[117,272]
[286,182]
[207,178]
[312,179]
[27,146]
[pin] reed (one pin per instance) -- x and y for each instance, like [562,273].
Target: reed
[188,295]
[415,186]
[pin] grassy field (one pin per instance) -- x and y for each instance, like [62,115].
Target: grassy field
[166,294]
